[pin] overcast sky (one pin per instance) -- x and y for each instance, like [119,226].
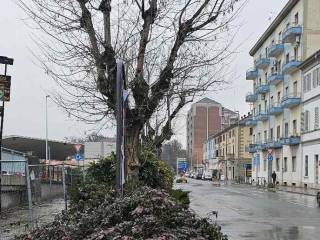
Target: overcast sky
[25,113]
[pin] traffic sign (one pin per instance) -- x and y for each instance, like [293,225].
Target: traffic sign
[270,157]
[77,147]
[78,157]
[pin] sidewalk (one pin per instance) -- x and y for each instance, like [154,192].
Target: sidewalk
[298,190]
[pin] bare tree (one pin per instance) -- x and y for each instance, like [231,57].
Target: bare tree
[173,50]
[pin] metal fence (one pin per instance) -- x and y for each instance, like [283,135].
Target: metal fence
[32,194]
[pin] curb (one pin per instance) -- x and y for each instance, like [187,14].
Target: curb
[301,193]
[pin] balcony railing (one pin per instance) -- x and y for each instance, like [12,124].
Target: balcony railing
[291,66]
[261,146]
[275,109]
[252,74]
[262,63]
[251,97]
[262,116]
[263,88]
[251,122]
[275,78]
[292,140]
[252,148]
[291,100]
[274,144]
[291,33]
[276,49]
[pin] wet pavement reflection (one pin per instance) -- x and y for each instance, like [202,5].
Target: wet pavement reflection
[246,213]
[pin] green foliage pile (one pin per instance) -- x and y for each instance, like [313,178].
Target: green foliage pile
[181,196]
[145,213]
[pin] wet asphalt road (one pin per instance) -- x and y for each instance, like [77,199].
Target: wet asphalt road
[247,213]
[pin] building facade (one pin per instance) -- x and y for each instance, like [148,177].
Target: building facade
[276,100]
[231,157]
[94,151]
[204,119]
[310,121]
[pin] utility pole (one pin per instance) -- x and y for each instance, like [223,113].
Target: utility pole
[47,147]
[5,84]
[121,101]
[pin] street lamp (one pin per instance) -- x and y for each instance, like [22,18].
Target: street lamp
[49,167]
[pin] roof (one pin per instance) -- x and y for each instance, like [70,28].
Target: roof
[281,16]
[310,60]
[207,100]
[59,150]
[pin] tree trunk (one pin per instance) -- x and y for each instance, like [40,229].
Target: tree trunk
[132,147]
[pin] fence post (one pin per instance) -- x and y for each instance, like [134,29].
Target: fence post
[30,213]
[64,188]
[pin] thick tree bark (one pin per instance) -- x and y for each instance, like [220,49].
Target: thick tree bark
[132,146]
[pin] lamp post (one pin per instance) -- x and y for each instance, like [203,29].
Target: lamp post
[47,152]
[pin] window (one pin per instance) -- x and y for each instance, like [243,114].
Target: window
[295,53]
[266,77]
[264,164]
[294,163]
[286,130]
[296,18]
[267,52]
[318,72]
[307,83]
[251,131]
[278,132]
[306,166]
[271,101]
[295,88]
[285,167]
[271,134]
[306,120]
[287,91]
[279,97]
[277,164]
[294,127]
[280,36]
[287,58]
[315,78]
[316,118]
[265,136]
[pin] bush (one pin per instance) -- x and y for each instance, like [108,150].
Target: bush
[143,214]
[181,196]
[154,172]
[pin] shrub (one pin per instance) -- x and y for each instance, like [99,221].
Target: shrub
[181,196]
[143,214]
[154,172]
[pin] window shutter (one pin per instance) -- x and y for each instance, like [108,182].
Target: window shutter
[302,122]
[306,121]
[316,118]
[318,76]
[305,84]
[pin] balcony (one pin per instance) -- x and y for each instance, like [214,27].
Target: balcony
[276,49]
[261,146]
[275,109]
[274,144]
[291,66]
[291,100]
[292,140]
[251,122]
[275,78]
[263,88]
[252,148]
[291,33]
[251,97]
[262,116]
[252,74]
[263,63]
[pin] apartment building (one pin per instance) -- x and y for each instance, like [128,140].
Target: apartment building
[205,118]
[231,156]
[209,154]
[276,100]
[310,125]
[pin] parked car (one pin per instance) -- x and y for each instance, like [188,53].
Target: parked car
[199,175]
[207,175]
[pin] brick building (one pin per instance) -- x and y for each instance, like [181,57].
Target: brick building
[205,118]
